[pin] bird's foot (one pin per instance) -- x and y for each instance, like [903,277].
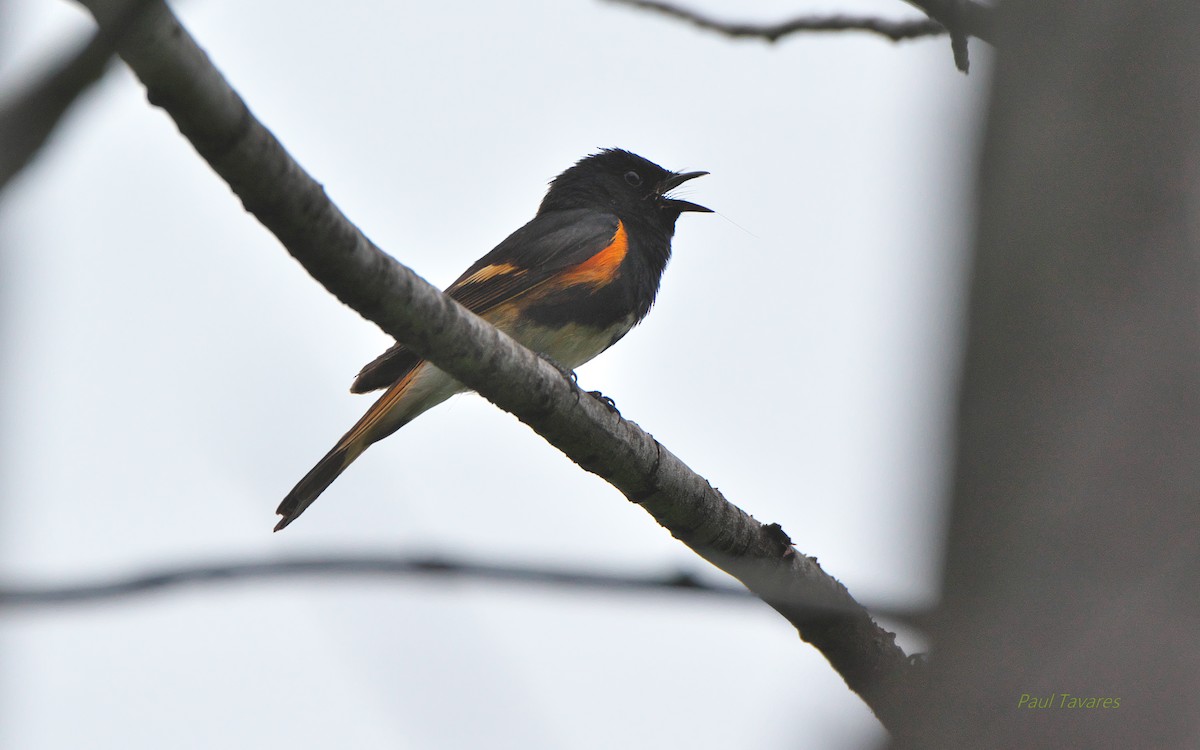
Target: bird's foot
[566,372]
[612,405]
[573,379]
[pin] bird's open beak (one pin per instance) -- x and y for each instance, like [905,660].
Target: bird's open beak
[675,181]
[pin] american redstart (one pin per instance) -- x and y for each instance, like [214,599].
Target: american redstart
[568,285]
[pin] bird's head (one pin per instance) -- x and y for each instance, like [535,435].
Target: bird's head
[622,182]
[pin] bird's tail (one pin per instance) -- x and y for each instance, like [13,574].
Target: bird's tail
[308,489]
[394,409]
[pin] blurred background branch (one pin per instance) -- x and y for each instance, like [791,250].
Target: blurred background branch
[162,578]
[773,32]
[28,117]
[960,18]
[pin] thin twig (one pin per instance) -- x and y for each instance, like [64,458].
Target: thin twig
[962,18]
[894,30]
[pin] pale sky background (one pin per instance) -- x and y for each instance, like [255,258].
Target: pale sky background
[169,373]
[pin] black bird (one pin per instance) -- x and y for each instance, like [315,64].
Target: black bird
[569,284]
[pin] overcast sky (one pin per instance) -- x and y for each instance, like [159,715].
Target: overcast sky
[169,373]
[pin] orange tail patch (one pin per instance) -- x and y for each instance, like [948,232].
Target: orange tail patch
[369,429]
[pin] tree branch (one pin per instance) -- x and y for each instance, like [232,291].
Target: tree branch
[180,78]
[894,30]
[357,565]
[29,117]
[961,18]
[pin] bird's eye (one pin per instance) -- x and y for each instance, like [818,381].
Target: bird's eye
[633,178]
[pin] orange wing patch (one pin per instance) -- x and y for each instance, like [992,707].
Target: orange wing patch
[499,291]
[601,267]
[489,272]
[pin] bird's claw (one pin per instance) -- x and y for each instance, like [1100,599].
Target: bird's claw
[573,379]
[612,405]
[569,374]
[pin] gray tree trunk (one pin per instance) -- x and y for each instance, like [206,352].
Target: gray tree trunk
[1073,560]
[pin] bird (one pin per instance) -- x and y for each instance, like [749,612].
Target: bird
[568,285]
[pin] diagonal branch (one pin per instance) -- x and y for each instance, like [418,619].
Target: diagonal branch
[29,117]
[894,30]
[181,79]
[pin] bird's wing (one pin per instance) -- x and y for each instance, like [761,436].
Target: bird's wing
[573,241]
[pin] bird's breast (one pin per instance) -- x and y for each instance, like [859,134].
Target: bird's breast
[570,344]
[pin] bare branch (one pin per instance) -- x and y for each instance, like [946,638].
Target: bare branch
[961,18]
[355,565]
[180,78]
[27,118]
[220,572]
[894,30]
